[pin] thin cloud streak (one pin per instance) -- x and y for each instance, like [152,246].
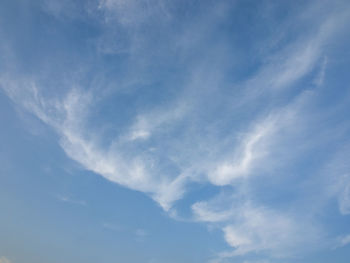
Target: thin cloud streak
[68,199]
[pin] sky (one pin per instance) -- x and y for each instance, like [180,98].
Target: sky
[162,131]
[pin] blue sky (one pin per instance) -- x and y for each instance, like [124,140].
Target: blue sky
[174,131]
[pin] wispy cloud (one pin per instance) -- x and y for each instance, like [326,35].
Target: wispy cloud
[246,154]
[113,226]
[338,179]
[344,198]
[68,118]
[65,198]
[151,122]
[321,75]
[141,234]
[343,241]
[241,137]
[258,229]
[250,228]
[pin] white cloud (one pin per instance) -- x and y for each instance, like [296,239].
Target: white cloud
[152,122]
[300,62]
[68,117]
[203,213]
[344,198]
[245,156]
[318,81]
[258,150]
[139,171]
[65,198]
[132,12]
[260,229]
[198,152]
[344,241]
[249,228]
[294,61]
[141,232]
[112,226]
[125,24]
[338,179]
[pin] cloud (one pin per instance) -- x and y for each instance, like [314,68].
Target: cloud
[249,223]
[344,199]
[250,228]
[257,149]
[318,81]
[131,172]
[338,179]
[260,229]
[68,117]
[113,227]
[203,213]
[134,13]
[4,260]
[141,233]
[246,155]
[300,62]
[152,122]
[67,199]
[126,24]
[239,137]
[343,241]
